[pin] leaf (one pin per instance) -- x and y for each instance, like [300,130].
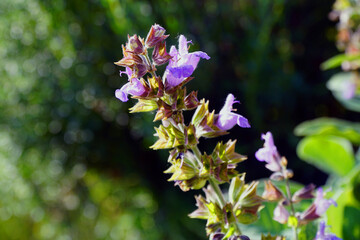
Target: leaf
[329,153]
[337,60]
[330,126]
[307,231]
[344,219]
[338,84]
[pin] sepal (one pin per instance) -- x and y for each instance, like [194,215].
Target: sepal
[169,137]
[144,105]
[272,193]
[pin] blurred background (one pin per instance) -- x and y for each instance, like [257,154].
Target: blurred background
[75,165]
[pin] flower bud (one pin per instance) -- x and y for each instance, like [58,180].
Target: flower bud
[191,100]
[155,35]
[135,45]
[160,55]
[304,193]
[271,192]
[281,215]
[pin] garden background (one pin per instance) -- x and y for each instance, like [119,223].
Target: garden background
[75,165]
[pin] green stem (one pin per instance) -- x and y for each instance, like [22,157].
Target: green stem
[197,152]
[215,186]
[291,203]
[218,192]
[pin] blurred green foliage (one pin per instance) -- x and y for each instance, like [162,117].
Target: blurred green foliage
[75,165]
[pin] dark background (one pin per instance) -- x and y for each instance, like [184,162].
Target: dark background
[66,136]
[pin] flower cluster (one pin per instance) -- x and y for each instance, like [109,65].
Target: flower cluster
[189,167]
[278,165]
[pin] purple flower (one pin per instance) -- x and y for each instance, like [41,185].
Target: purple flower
[321,235]
[321,203]
[183,63]
[281,215]
[133,87]
[269,153]
[228,119]
[318,208]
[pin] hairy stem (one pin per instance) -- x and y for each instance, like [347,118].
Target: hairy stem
[197,153]
[291,203]
[218,192]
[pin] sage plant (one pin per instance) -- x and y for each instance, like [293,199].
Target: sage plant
[190,167]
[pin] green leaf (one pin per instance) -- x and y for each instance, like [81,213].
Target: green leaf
[337,60]
[331,154]
[344,219]
[338,84]
[307,231]
[330,126]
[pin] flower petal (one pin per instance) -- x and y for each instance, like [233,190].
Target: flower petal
[121,94]
[182,71]
[242,121]
[183,49]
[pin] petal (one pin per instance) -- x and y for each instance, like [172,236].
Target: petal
[226,121]
[269,140]
[182,71]
[136,88]
[228,103]
[183,49]
[281,214]
[242,121]
[172,81]
[262,155]
[121,94]
[201,55]
[174,53]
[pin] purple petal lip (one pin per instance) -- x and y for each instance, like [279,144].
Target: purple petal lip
[228,119]
[269,153]
[321,203]
[121,95]
[321,235]
[182,64]
[133,87]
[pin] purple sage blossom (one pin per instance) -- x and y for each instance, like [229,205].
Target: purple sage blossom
[281,215]
[133,87]
[318,207]
[227,119]
[321,235]
[269,153]
[182,64]
[321,203]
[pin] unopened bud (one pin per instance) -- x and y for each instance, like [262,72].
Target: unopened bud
[289,173]
[271,192]
[155,35]
[304,193]
[191,100]
[135,45]
[284,162]
[160,55]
